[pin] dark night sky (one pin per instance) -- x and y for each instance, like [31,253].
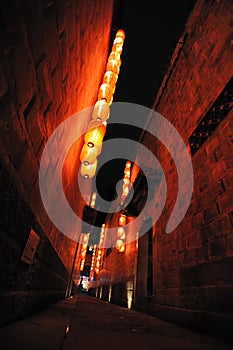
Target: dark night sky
[152,30]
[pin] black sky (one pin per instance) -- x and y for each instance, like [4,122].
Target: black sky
[152,30]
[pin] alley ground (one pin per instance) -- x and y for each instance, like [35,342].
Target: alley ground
[85,322]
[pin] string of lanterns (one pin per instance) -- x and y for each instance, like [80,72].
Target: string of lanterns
[98,253]
[121,236]
[83,251]
[93,138]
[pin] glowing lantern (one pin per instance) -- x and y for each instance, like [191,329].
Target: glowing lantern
[120,33]
[125,190]
[113,66]
[120,245]
[127,172]
[126,180]
[95,133]
[85,238]
[118,40]
[121,233]
[88,155]
[110,78]
[105,92]
[121,249]
[117,48]
[115,56]
[88,171]
[101,110]
[122,220]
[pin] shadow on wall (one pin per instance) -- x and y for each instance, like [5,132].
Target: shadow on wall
[25,286]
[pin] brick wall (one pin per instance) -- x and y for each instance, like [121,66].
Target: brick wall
[52,60]
[194,264]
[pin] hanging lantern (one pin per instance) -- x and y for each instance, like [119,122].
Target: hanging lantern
[117,48]
[125,190]
[127,172]
[122,220]
[121,249]
[120,33]
[101,110]
[120,245]
[113,66]
[85,238]
[94,195]
[105,92]
[126,180]
[88,171]
[88,155]
[116,60]
[110,78]
[95,133]
[118,40]
[121,233]
[115,56]
[123,196]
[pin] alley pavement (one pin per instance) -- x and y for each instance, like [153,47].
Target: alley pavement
[85,322]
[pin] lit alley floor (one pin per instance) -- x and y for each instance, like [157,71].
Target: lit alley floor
[84,322]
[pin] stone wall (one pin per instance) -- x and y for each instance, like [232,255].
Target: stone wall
[194,264]
[52,60]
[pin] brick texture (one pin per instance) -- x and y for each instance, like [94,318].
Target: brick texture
[52,60]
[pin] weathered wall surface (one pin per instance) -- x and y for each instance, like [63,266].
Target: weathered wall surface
[52,59]
[194,266]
